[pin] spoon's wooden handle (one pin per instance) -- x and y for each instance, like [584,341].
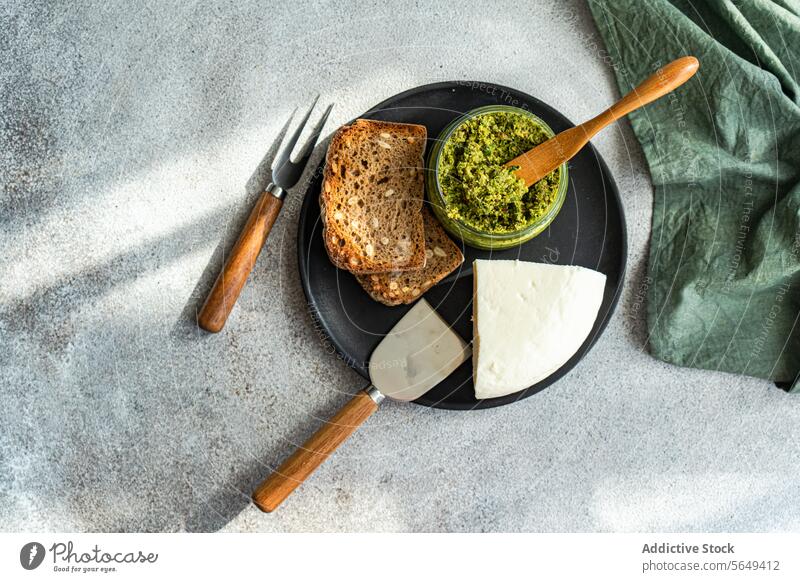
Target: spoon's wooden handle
[229,283]
[305,460]
[535,164]
[663,81]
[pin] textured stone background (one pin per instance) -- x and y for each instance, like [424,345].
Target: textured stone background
[128,138]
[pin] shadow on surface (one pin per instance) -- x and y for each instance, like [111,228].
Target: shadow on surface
[256,184]
[44,314]
[228,499]
[634,304]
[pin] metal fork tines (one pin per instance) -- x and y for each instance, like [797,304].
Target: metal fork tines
[285,172]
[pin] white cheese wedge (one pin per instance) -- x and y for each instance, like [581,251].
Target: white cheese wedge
[528,320]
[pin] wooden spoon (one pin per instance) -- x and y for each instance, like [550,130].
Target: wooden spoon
[535,164]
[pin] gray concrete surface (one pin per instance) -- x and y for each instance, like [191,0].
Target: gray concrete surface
[129,133]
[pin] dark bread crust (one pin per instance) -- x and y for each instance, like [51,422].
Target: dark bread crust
[371,197]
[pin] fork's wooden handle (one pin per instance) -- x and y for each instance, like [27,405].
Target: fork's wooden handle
[305,460]
[237,268]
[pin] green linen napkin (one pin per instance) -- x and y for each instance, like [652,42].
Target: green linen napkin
[723,282]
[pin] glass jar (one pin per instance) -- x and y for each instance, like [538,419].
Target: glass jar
[469,234]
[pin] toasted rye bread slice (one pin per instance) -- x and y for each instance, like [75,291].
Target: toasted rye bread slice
[442,258]
[372,194]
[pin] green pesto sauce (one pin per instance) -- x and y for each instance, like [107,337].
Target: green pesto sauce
[478,190]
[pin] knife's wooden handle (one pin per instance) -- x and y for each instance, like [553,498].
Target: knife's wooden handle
[305,460]
[233,276]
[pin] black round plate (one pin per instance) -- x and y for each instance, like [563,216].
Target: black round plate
[589,231]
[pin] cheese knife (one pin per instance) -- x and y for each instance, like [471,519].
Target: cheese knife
[420,351]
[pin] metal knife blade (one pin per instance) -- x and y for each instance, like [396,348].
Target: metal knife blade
[420,351]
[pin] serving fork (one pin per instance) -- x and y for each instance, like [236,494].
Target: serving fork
[242,258]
